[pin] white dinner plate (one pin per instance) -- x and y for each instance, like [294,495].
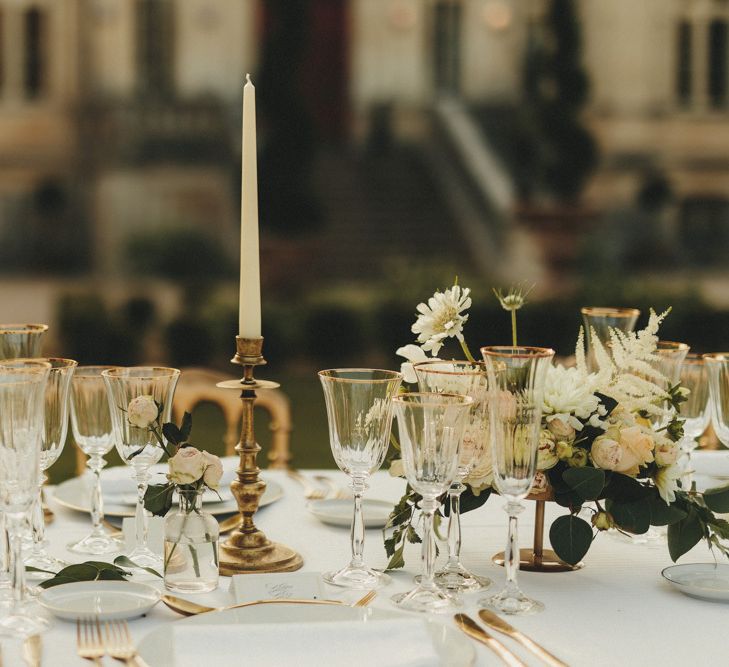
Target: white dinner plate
[107,600]
[76,495]
[338,512]
[708,581]
[157,648]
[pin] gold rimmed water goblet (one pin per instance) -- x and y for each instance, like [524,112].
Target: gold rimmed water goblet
[92,431]
[359,412]
[137,446]
[717,366]
[22,398]
[468,378]
[16,341]
[601,320]
[669,360]
[695,410]
[21,340]
[431,427]
[53,439]
[516,390]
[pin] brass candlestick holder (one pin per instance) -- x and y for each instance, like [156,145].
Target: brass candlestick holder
[247,549]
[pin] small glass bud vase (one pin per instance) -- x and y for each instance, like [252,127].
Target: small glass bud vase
[191,562]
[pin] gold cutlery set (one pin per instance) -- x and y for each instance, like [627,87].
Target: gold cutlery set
[315,491]
[94,641]
[475,631]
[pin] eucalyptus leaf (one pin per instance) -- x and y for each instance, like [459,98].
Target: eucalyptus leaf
[158,498]
[469,501]
[633,516]
[186,426]
[124,561]
[717,499]
[397,561]
[663,514]
[571,538]
[586,482]
[623,488]
[684,535]
[172,433]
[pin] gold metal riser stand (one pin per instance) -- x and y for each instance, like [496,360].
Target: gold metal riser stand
[539,559]
[247,549]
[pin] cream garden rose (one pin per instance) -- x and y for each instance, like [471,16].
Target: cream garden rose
[187,466]
[142,411]
[213,470]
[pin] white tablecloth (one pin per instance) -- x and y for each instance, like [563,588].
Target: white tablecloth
[616,611]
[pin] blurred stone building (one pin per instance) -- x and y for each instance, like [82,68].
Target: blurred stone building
[123,115]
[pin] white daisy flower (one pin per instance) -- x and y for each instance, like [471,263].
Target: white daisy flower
[666,481]
[442,318]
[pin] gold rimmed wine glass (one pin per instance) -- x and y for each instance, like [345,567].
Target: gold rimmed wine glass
[516,390]
[137,446]
[717,365]
[22,398]
[468,378]
[92,431]
[601,320]
[430,426]
[695,410]
[359,412]
[21,340]
[53,439]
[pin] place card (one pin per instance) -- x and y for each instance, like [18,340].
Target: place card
[280,586]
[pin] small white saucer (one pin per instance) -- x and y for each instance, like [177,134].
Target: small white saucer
[707,581]
[336,512]
[105,600]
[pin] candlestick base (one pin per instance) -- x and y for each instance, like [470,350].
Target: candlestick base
[247,549]
[272,557]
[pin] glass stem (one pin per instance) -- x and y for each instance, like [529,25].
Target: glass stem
[427,581]
[96,463]
[140,516]
[37,520]
[512,555]
[357,534]
[17,566]
[454,523]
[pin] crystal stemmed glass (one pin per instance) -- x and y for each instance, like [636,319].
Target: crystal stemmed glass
[467,378]
[21,340]
[91,425]
[601,320]
[53,439]
[431,430]
[516,387]
[359,410]
[22,397]
[695,410]
[138,447]
[717,366]
[16,340]
[670,357]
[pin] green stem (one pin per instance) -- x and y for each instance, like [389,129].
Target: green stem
[467,352]
[513,328]
[160,440]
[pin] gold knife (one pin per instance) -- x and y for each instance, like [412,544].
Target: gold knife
[475,631]
[500,625]
[32,651]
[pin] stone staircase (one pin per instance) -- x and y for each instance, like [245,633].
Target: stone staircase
[379,210]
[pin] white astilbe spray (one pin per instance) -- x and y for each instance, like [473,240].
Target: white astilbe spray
[626,374]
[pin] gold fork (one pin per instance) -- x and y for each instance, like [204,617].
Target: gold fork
[310,492]
[89,645]
[335,491]
[119,644]
[365,600]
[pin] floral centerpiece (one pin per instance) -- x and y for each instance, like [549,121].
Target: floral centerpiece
[191,535]
[608,446]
